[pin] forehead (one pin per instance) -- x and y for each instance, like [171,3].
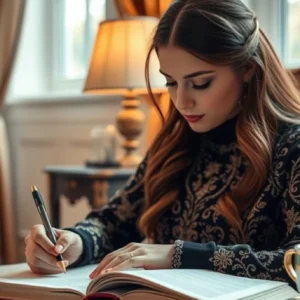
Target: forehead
[176,59]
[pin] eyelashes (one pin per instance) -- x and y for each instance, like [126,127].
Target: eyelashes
[203,86]
[169,84]
[196,87]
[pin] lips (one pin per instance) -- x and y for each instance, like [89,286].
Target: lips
[193,118]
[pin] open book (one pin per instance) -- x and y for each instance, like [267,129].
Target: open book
[18,282]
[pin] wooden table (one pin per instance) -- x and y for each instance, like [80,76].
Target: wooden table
[74,182]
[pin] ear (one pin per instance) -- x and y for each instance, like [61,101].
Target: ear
[249,70]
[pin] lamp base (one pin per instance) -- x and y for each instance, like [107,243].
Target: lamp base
[130,122]
[131,160]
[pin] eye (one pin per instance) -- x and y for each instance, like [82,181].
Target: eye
[169,84]
[203,86]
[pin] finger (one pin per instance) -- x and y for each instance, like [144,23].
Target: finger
[26,239]
[39,235]
[35,254]
[116,261]
[34,251]
[133,262]
[108,258]
[64,241]
[40,267]
[121,258]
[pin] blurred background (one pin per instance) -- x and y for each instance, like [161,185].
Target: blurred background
[50,126]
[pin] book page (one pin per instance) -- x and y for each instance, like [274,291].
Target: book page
[20,274]
[196,284]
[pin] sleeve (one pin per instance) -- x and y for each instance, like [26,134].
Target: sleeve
[241,259]
[114,225]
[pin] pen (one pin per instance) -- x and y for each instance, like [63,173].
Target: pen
[43,213]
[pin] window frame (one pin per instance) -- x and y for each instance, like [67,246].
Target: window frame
[284,37]
[58,82]
[274,26]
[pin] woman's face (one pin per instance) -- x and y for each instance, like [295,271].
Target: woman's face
[205,95]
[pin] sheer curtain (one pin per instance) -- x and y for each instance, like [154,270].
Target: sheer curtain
[11,16]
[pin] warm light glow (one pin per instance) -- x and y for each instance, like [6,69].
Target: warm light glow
[118,57]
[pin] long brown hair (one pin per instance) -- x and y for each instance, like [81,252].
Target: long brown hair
[224,33]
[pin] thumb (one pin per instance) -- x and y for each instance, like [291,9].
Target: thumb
[64,241]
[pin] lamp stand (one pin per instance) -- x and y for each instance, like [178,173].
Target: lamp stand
[130,122]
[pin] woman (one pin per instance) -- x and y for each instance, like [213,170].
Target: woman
[218,189]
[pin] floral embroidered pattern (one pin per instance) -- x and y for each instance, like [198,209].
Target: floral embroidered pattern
[222,259]
[270,226]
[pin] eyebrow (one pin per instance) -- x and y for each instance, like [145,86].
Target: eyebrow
[190,75]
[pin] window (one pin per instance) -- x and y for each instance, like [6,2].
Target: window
[75,26]
[291,32]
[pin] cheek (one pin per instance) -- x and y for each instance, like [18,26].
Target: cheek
[225,97]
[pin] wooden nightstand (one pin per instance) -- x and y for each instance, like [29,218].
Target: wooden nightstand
[74,182]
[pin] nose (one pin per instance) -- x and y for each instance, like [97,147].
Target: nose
[183,99]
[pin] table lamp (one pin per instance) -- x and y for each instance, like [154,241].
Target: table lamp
[117,66]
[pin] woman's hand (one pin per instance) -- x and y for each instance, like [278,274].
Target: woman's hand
[134,255]
[41,253]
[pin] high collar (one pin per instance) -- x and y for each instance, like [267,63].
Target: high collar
[224,133]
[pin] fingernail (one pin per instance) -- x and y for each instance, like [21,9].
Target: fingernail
[58,248]
[66,262]
[108,270]
[92,274]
